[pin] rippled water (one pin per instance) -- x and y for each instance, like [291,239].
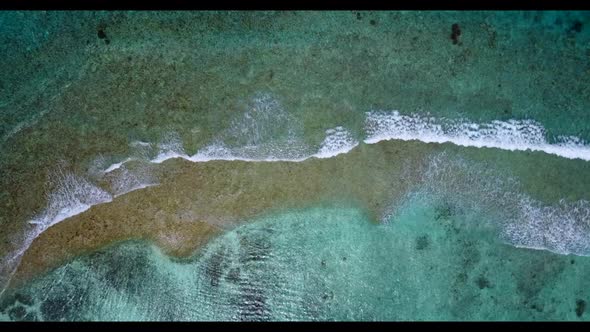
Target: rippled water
[317,264]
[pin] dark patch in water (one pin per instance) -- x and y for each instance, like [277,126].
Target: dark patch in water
[422,242]
[482,282]
[359,16]
[17,313]
[233,276]
[15,306]
[24,298]
[252,305]
[443,212]
[328,296]
[471,255]
[63,302]
[492,40]
[462,277]
[102,34]
[214,269]
[5,303]
[538,273]
[580,307]
[455,33]
[31,317]
[55,308]
[20,313]
[373,22]
[119,269]
[255,248]
[576,27]
[537,307]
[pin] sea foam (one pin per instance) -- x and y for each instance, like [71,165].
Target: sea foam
[513,135]
[337,141]
[127,180]
[480,197]
[262,132]
[563,228]
[72,195]
[266,132]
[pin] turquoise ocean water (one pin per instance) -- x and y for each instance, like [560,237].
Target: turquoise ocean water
[356,165]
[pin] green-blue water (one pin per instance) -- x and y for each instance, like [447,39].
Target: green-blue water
[317,264]
[356,165]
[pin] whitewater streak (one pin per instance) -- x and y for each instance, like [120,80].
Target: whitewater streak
[337,141]
[510,135]
[513,135]
[73,195]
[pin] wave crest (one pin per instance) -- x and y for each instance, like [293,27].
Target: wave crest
[513,135]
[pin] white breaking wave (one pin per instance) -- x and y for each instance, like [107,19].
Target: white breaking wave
[219,151]
[72,196]
[126,180]
[337,141]
[263,131]
[513,135]
[117,165]
[170,147]
[249,140]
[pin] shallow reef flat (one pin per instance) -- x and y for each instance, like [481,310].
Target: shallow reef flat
[195,201]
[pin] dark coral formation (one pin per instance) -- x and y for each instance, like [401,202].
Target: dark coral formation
[422,242]
[580,307]
[455,33]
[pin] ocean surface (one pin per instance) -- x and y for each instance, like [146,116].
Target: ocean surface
[343,165]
